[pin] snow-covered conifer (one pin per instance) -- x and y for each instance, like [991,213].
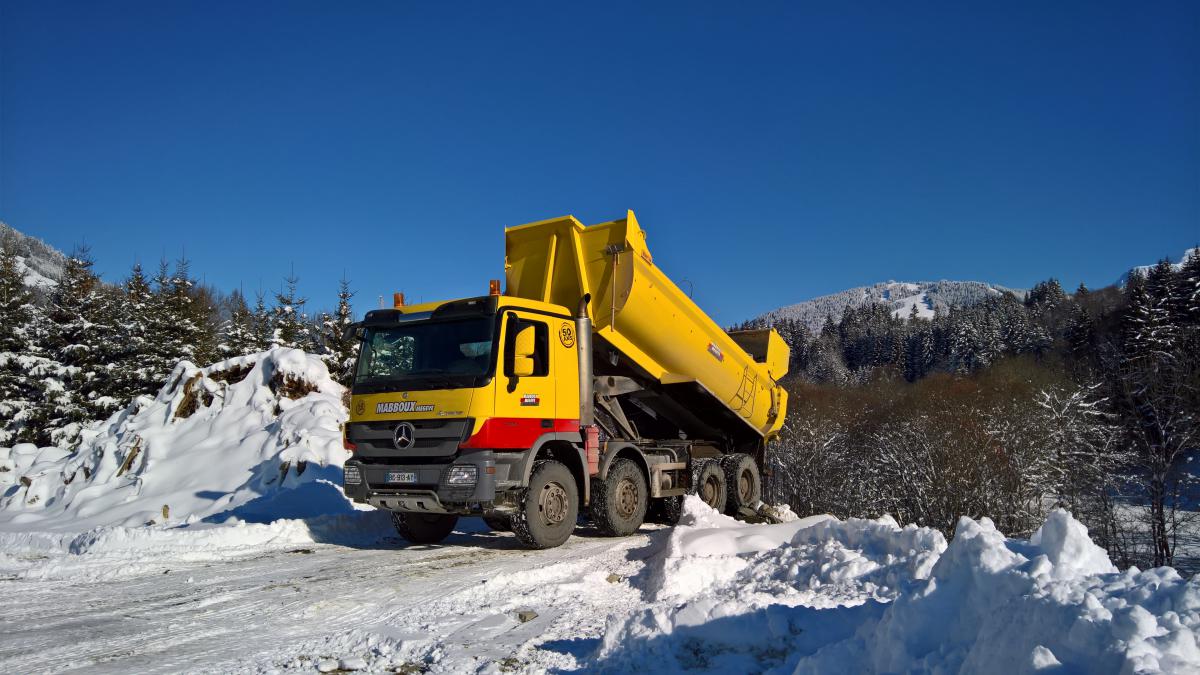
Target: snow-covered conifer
[340,350]
[83,338]
[288,322]
[237,333]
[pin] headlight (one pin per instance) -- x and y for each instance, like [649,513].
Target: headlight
[351,474]
[462,474]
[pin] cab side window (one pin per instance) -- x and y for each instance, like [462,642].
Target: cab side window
[541,341]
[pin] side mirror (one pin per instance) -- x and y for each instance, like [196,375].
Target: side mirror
[524,348]
[352,332]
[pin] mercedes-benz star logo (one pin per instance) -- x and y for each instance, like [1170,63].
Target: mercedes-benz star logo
[404,436]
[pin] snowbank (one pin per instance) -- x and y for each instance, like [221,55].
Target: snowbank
[822,595]
[255,438]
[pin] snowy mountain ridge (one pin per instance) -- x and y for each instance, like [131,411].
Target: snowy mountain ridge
[926,296]
[40,262]
[1145,269]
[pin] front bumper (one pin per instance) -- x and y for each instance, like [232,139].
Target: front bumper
[431,492]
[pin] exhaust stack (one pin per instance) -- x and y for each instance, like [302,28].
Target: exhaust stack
[587,418]
[583,342]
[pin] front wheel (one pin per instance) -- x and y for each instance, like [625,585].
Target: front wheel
[619,501]
[548,508]
[423,528]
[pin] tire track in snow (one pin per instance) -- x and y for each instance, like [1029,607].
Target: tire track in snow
[221,616]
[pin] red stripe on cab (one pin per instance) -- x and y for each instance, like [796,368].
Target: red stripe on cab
[515,433]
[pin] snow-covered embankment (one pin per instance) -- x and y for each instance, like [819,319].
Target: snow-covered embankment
[823,595]
[252,442]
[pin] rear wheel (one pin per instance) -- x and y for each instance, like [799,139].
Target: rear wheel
[498,523]
[548,508]
[619,501]
[423,528]
[708,483]
[743,481]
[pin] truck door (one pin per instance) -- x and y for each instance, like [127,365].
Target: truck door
[529,397]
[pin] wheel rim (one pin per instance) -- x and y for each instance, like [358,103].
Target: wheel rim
[745,487]
[708,491]
[552,502]
[627,498]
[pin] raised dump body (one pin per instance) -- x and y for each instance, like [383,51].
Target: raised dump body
[710,383]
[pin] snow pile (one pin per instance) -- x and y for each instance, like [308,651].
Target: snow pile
[823,595]
[795,562]
[254,438]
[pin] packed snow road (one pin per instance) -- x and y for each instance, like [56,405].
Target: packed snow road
[478,600]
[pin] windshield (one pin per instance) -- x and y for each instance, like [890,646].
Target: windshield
[426,353]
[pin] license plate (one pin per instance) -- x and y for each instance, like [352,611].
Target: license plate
[401,477]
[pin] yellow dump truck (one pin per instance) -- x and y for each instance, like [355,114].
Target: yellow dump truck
[591,385]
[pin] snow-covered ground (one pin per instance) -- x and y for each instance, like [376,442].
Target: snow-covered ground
[259,564]
[712,595]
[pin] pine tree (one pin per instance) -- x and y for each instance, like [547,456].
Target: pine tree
[180,321]
[340,350]
[918,353]
[260,325]
[965,343]
[1149,326]
[83,339]
[187,325]
[289,323]
[15,298]
[202,314]
[22,362]
[132,378]
[1189,287]
[238,331]
[1045,295]
[162,341]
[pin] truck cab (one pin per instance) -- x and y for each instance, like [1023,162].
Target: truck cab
[451,402]
[518,408]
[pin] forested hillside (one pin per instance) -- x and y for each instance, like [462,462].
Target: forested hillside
[1006,408]
[40,263]
[77,349]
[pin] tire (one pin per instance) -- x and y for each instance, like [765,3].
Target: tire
[498,523]
[665,510]
[423,528]
[548,508]
[708,483]
[619,501]
[743,482]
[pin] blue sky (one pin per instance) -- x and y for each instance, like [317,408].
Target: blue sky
[773,151]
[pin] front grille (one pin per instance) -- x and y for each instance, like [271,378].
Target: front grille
[432,438]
